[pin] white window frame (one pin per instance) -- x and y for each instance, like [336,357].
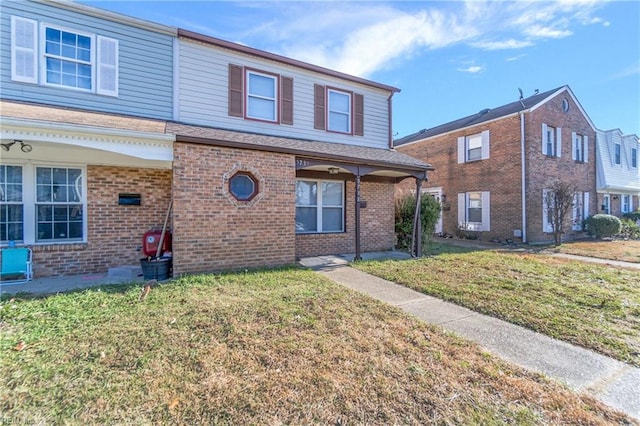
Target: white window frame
[274,100]
[29,202]
[320,206]
[634,158]
[4,202]
[580,147]
[626,203]
[551,136]
[330,110]
[580,209]
[464,146]
[617,154]
[606,203]
[464,199]
[29,57]
[44,56]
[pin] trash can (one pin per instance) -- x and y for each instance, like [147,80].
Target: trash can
[156,268]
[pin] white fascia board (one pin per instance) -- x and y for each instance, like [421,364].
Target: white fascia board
[143,145]
[575,100]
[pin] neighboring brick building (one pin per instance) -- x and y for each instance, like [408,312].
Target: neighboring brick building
[492,168]
[264,158]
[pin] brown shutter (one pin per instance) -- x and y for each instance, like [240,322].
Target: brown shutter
[286,100]
[358,116]
[319,107]
[236,95]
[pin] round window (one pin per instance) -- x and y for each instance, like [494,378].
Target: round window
[243,186]
[565,105]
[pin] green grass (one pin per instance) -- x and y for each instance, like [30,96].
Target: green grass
[270,347]
[594,306]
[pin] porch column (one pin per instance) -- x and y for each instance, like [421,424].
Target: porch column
[357,212]
[416,244]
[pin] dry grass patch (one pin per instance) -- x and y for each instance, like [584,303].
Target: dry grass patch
[261,348]
[627,251]
[591,305]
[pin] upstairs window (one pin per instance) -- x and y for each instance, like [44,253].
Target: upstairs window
[68,58]
[551,141]
[339,111]
[262,96]
[617,156]
[339,114]
[580,147]
[634,158]
[473,147]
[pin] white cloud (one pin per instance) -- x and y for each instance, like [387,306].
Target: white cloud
[630,71]
[362,37]
[503,44]
[472,69]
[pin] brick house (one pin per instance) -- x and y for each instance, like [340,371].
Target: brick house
[618,178]
[265,159]
[493,168]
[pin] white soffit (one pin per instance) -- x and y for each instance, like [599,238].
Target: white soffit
[143,145]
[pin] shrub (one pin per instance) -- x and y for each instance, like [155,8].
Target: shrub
[405,211]
[634,216]
[630,229]
[603,225]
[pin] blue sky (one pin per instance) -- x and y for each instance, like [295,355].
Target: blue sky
[450,59]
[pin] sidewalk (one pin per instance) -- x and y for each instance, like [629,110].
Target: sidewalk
[613,382]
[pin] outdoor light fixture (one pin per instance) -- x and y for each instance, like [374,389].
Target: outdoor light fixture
[333,170]
[24,147]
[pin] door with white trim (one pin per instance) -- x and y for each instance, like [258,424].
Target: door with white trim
[437,194]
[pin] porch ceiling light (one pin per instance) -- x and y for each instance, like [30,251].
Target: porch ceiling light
[24,147]
[333,170]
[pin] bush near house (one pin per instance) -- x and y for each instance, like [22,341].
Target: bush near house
[629,229]
[603,225]
[405,212]
[634,216]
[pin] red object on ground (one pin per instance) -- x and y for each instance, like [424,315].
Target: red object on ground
[151,240]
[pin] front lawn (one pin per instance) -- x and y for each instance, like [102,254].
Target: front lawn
[628,251]
[271,347]
[594,306]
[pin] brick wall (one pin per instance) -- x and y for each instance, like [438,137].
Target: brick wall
[212,231]
[114,231]
[542,169]
[376,223]
[501,173]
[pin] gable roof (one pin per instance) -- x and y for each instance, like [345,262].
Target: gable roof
[523,105]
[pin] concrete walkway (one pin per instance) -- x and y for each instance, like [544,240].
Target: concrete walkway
[613,382]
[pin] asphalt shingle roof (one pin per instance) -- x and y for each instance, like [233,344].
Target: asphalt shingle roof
[479,117]
[316,149]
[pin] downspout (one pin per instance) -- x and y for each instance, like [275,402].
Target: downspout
[358,255]
[390,115]
[523,179]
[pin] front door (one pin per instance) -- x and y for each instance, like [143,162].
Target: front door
[437,194]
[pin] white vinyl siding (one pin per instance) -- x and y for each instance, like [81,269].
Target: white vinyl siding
[551,141]
[473,147]
[474,211]
[24,50]
[208,104]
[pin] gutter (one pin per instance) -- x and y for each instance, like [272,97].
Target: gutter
[523,178]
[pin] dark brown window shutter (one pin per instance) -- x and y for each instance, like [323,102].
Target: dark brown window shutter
[358,116]
[319,107]
[236,95]
[286,104]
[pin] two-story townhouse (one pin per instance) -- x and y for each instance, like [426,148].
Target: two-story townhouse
[264,158]
[493,168]
[84,97]
[618,175]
